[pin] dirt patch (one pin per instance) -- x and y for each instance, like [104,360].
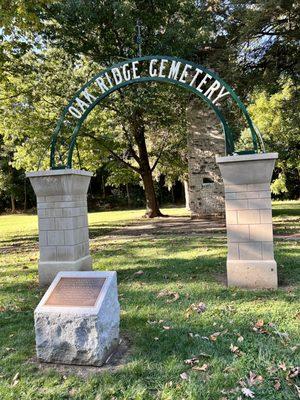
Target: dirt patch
[165,226]
[116,361]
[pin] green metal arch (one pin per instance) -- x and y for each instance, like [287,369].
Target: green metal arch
[229,142]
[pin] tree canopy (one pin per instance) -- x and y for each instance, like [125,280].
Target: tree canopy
[49,49]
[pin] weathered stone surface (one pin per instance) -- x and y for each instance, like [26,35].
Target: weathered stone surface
[79,335]
[205,140]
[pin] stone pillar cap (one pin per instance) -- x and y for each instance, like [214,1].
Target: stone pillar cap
[53,172]
[247,157]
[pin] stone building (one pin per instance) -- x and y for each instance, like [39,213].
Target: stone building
[205,141]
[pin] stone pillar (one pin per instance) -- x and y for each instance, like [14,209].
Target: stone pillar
[205,140]
[250,259]
[63,221]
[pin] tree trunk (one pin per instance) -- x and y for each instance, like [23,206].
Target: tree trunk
[145,169]
[151,200]
[103,185]
[172,194]
[186,194]
[13,203]
[25,196]
[129,203]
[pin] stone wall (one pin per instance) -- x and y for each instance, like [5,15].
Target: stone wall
[205,141]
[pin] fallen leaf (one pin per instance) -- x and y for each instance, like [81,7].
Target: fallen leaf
[282,366]
[167,328]
[156,338]
[192,361]
[203,368]
[258,327]
[72,392]
[173,296]
[200,308]
[214,336]
[138,273]
[254,379]
[15,379]
[184,376]
[293,373]
[277,385]
[203,337]
[298,390]
[259,323]
[240,339]
[233,349]
[295,348]
[248,393]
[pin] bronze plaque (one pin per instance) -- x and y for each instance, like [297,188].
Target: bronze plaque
[76,292]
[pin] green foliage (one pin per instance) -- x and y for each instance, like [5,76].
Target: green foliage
[277,117]
[49,49]
[279,185]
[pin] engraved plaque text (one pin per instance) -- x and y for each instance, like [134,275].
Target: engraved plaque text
[76,292]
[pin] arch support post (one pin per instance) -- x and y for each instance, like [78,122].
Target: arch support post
[250,258]
[63,221]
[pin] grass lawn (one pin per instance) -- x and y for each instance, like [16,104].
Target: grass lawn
[244,340]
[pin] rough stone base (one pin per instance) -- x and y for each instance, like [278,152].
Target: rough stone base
[80,340]
[79,335]
[49,269]
[252,274]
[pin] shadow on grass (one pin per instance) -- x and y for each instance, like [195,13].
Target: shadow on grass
[286,212]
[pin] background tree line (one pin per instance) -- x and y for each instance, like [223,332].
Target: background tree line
[138,135]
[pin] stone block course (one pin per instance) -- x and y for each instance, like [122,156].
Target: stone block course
[250,251]
[261,232]
[236,204]
[48,253]
[43,238]
[55,238]
[238,233]
[265,216]
[231,217]
[235,188]
[267,250]
[63,223]
[233,251]
[250,259]
[246,216]
[47,224]
[260,204]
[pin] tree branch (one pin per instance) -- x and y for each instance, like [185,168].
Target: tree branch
[115,155]
[133,153]
[16,95]
[159,154]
